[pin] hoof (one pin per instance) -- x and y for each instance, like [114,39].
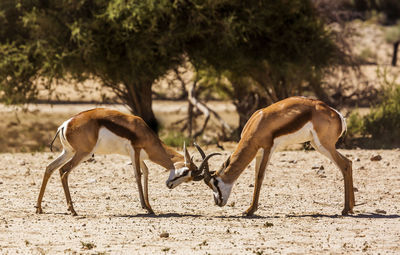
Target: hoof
[150,211]
[73,213]
[39,210]
[248,213]
[346,212]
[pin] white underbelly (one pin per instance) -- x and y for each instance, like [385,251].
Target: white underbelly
[300,136]
[110,143]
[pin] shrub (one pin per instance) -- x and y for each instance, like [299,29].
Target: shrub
[355,124]
[174,138]
[368,56]
[382,124]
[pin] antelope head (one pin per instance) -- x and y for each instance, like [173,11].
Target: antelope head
[221,190]
[187,171]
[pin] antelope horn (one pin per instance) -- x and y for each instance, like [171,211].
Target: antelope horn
[203,155]
[204,165]
[197,174]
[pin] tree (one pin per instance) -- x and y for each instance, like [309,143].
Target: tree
[18,61]
[268,50]
[130,44]
[125,44]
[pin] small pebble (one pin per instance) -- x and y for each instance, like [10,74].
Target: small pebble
[376,158]
[164,234]
[380,211]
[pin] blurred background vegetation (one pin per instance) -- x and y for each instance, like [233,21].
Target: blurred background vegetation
[246,53]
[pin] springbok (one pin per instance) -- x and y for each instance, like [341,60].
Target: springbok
[292,120]
[106,131]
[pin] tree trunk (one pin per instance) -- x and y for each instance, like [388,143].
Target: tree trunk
[395,48]
[139,100]
[320,93]
[246,103]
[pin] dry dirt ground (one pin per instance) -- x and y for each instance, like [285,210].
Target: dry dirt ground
[299,210]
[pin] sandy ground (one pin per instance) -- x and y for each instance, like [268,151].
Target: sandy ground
[299,210]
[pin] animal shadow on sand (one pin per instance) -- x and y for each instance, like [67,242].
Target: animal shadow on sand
[161,215]
[366,215]
[359,216]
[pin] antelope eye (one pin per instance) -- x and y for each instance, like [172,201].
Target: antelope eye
[215,183]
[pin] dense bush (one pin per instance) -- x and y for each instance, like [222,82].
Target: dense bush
[384,119]
[382,124]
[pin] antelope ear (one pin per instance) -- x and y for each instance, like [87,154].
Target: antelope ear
[186,153]
[228,161]
[184,150]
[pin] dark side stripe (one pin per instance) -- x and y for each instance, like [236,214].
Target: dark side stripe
[119,130]
[294,125]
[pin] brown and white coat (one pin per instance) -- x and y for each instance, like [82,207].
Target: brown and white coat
[106,131]
[292,120]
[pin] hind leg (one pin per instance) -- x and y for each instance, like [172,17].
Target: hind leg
[347,172]
[57,163]
[65,171]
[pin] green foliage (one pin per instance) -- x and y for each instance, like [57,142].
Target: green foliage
[130,44]
[392,34]
[243,35]
[173,138]
[17,74]
[17,60]
[355,124]
[383,122]
[367,55]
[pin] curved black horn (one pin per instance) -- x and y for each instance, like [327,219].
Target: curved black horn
[198,173]
[203,155]
[204,165]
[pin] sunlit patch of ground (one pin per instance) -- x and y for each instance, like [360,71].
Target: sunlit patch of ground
[299,210]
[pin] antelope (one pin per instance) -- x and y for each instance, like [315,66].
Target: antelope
[292,120]
[106,131]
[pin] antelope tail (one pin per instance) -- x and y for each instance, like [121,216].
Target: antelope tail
[51,144]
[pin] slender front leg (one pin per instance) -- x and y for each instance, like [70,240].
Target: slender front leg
[259,177]
[135,155]
[145,184]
